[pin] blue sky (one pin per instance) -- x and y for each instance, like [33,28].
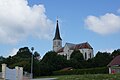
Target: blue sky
[32,24]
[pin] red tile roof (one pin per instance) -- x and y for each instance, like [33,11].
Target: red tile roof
[83,46]
[71,46]
[115,61]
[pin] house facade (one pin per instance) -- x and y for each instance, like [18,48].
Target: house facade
[85,48]
[114,65]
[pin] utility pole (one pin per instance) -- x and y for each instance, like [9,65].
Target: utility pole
[32,49]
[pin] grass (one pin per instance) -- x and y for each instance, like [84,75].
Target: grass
[88,77]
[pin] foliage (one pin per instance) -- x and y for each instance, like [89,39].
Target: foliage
[37,55]
[22,59]
[76,60]
[102,59]
[45,69]
[24,52]
[0,68]
[89,77]
[52,62]
[115,53]
[77,55]
[52,58]
[101,70]
[36,67]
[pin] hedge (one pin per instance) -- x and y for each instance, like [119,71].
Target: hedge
[102,70]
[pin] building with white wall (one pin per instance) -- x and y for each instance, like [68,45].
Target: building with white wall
[85,48]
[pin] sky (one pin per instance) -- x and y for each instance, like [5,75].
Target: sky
[32,23]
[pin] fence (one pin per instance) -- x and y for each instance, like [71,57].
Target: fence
[12,74]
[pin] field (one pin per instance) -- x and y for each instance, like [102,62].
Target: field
[89,77]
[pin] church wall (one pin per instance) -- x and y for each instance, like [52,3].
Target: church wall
[87,53]
[68,52]
[62,53]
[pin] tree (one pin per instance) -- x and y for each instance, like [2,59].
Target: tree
[77,55]
[52,61]
[76,59]
[24,52]
[102,59]
[115,53]
[36,55]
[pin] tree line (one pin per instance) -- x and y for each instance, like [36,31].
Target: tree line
[51,61]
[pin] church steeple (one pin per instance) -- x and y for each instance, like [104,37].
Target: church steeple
[57,33]
[57,41]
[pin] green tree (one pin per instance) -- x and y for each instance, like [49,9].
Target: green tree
[36,55]
[53,61]
[24,52]
[115,53]
[102,59]
[76,59]
[77,55]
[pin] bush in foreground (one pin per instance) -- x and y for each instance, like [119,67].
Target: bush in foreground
[102,70]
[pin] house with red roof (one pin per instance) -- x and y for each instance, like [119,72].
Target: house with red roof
[114,65]
[85,48]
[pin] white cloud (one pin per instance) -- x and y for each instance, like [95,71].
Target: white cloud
[118,10]
[106,50]
[13,52]
[106,24]
[18,20]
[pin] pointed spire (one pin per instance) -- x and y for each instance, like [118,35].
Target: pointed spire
[57,33]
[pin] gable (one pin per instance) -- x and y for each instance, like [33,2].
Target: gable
[115,61]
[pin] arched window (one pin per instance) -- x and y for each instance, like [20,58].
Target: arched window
[90,55]
[85,55]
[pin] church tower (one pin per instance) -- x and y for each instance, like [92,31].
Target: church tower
[57,41]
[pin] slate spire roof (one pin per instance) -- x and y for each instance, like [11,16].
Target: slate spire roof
[57,33]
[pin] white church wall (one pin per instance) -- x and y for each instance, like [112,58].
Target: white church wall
[61,53]
[87,53]
[67,52]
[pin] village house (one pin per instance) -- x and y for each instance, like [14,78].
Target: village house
[114,65]
[85,48]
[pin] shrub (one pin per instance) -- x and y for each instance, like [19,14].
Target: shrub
[102,70]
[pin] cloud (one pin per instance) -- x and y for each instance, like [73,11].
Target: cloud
[118,10]
[13,52]
[106,50]
[106,24]
[18,20]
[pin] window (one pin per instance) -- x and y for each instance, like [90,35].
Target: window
[90,55]
[58,43]
[54,43]
[85,55]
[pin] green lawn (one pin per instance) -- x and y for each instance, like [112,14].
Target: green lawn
[89,77]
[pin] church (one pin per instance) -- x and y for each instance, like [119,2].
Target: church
[85,48]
